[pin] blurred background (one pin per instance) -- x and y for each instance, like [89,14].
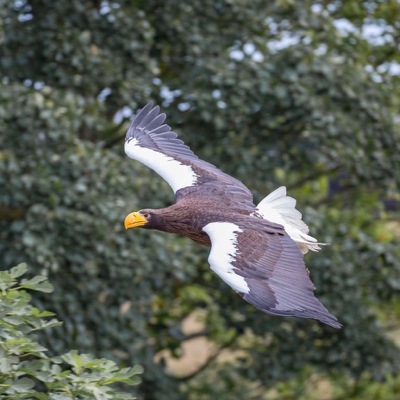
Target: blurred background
[298,93]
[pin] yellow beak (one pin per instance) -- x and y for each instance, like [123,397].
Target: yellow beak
[134,220]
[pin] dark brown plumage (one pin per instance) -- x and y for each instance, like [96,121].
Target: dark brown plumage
[254,249]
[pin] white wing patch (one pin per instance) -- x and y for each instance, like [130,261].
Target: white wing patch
[176,174]
[223,236]
[279,208]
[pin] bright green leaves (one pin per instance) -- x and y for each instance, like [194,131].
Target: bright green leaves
[26,371]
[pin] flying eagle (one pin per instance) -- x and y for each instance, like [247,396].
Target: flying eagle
[257,250]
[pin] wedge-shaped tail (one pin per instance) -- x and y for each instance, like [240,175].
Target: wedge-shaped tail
[279,208]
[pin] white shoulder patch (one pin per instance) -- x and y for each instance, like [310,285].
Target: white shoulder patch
[223,236]
[176,174]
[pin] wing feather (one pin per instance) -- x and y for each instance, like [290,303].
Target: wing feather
[156,123]
[154,144]
[142,115]
[271,267]
[280,208]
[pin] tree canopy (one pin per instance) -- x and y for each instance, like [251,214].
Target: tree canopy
[296,93]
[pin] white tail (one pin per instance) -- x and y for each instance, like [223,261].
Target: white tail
[280,209]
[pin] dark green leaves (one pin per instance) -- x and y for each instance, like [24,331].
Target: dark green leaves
[26,371]
[274,92]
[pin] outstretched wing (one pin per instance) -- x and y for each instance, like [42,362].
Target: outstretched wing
[154,144]
[266,268]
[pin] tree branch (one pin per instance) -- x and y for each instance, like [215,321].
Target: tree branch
[11,213]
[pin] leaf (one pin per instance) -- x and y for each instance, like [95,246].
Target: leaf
[40,396]
[38,283]
[57,396]
[23,384]
[6,364]
[127,375]
[50,324]
[13,320]
[75,360]
[19,270]
[41,314]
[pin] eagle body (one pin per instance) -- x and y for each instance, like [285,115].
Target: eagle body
[257,250]
[188,218]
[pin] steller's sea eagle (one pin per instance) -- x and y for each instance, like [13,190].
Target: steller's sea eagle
[257,250]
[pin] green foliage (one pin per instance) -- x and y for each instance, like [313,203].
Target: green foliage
[273,93]
[26,371]
[367,389]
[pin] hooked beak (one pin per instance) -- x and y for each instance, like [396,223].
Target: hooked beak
[134,220]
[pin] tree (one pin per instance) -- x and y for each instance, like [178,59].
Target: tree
[273,93]
[27,371]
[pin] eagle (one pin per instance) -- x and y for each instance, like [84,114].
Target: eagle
[257,250]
